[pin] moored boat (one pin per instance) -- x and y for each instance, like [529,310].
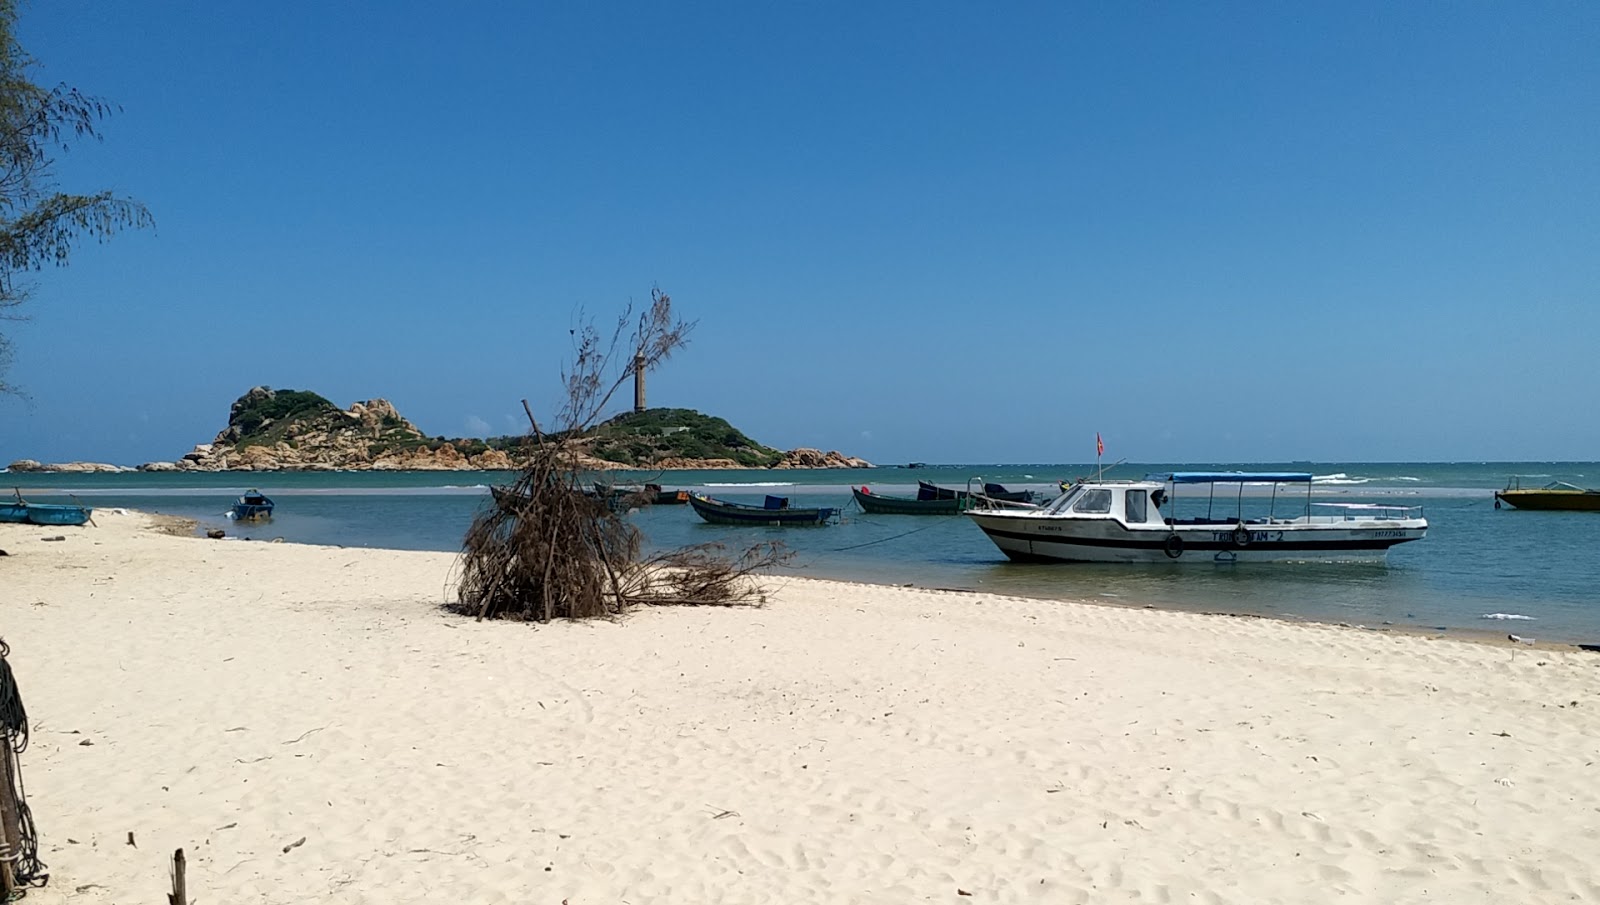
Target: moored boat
[652,494]
[880,504]
[1125,522]
[775,511]
[1556,495]
[927,490]
[253,506]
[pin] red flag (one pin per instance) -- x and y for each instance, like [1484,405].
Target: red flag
[1099,447]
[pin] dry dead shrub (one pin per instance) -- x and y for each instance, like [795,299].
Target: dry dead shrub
[545,549]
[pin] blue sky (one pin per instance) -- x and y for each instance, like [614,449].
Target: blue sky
[935,232]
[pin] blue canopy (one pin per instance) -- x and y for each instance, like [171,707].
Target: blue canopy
[1234,477]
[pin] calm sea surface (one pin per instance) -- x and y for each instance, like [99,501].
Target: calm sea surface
[1477,566]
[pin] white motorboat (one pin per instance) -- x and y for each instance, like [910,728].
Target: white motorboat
[1151,521]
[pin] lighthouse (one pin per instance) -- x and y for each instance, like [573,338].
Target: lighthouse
[638,382]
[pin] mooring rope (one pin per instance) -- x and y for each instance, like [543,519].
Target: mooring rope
[882,539]
[26,866]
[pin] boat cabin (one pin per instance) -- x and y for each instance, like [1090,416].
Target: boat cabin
[1188,498]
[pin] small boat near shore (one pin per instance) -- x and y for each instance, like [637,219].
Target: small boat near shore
[880,504]
[253,506]
[775,511]
[22,512]
[1554,496]
[1124,522]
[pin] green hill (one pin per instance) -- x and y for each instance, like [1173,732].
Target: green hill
[644,438]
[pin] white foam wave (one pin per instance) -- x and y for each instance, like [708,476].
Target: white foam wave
[1507,617]
[753,484]
[1404,478]
[1339,478]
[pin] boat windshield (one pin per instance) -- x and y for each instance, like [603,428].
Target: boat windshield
[1066,500]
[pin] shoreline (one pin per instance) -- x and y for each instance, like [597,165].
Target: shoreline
[190,528]
[844,742]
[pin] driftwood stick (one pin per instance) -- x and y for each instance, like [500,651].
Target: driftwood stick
[532,423]
[180,886]
[10,818]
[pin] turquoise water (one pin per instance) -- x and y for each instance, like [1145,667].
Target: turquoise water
[1476,560]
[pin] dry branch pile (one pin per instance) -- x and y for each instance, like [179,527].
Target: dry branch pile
[546,550]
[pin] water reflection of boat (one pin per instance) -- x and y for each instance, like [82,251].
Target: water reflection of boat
[1123,521]
[1556,495]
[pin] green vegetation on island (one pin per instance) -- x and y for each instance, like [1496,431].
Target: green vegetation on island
[645,438]
[296,429]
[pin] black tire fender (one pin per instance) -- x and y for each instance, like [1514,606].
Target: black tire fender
[1241,536]
[1173,546]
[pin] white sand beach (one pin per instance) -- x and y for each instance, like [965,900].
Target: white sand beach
[844,743]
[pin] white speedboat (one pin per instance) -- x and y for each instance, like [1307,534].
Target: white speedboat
[1181,517]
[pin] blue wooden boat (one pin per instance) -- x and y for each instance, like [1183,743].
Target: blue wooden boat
[252,507]
[24,512]
[775,511]
[53,513]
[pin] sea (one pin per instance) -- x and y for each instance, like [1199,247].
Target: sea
[1479,570]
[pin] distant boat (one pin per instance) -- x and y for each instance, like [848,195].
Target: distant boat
[929,491]
[775,511]
[880,504]
[252,507]
[1554,495]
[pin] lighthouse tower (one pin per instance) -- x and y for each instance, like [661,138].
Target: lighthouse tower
[638,382]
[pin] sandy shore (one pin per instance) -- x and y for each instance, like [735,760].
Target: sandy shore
[843,744]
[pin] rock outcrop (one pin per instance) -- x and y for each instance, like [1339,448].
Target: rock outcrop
[297,430]
[805,457]
[292,430]
[27,465]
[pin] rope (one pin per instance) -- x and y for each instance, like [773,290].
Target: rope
[26,866]
[883,539]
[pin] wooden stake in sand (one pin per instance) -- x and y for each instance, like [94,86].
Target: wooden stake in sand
[180,891]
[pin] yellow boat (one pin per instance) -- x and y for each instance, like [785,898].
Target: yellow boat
[1554,495]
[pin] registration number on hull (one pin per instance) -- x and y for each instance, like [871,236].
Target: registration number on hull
[1232,537]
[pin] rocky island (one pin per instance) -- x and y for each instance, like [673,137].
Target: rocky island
[298,430]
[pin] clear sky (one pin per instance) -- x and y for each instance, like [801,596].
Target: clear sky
[908,231]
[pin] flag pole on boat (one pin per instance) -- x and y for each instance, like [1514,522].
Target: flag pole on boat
[1099,452]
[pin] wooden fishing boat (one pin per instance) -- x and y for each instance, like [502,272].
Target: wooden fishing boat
[880,504]
[653,494]
[930,491]
[56,514]
[21,511]
[252,507]
[775,511]
[1556,495]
